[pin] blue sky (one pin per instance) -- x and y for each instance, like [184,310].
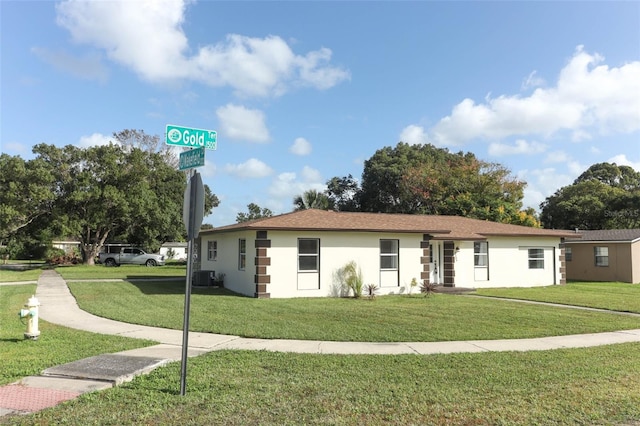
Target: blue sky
[300,92]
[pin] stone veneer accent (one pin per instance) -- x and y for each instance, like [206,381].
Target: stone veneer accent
[563,263]
[262,260]
[449,264]
[424,260]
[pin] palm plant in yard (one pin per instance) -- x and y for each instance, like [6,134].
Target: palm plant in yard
[427,288]
[372,289]
[351,276]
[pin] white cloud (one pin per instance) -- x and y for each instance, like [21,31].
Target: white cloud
[533,80]
[414,135]
[622,160]
[96,139]
[252,168]
[313,74]
[588,97]
[144,35]
[147,37]
[238,122]
[520,146]
[288,185]
[541,183]
[301,147]
[311,175]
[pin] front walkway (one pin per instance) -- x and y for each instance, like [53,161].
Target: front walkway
[60,307]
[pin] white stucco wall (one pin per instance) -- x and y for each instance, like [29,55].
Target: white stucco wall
[336,250]
[240,281]
[508,262]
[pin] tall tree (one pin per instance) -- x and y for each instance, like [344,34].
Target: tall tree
[605,196]
[255,212]
[343,193]
[27,192]
[312,199]
[423,179]
[114,192]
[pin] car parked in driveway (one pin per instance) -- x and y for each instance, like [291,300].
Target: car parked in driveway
[131,256]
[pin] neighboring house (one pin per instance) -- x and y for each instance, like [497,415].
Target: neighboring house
[67,245]
[298,254]
[179,250]
[605,255]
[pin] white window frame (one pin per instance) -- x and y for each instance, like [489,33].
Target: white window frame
[601,256]
[309,254]
[536,258]
[393,254]
[242,254]
[479,253]
[568,254]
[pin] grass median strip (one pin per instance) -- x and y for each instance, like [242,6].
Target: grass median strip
[613,296]
[385,319]
[16,275]
[578,386]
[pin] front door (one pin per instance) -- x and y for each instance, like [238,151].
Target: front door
[435,262]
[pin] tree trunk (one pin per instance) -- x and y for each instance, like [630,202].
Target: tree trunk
[92,247]
[89,253]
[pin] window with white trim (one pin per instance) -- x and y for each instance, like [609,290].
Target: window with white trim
[212,250]
[308,254]
[480,254]
[389,254]
[601,255]
[242,254]
[536,258]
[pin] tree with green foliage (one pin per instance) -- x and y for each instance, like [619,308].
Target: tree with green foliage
[27,193]
[114,192]
[343,193]
[423,179]
[255,212]
[605,196]
[312,199]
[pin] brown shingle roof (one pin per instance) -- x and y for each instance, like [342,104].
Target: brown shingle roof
[441,227]
[623,235]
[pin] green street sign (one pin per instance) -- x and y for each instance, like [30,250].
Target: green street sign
[192,158]
[192,138]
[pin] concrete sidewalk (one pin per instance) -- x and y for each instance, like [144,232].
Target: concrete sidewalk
[60,383]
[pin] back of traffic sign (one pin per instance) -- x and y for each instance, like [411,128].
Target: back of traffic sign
[193,208]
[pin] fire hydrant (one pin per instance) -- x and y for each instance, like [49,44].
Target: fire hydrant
[31,314]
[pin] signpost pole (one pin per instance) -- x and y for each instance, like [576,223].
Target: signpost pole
[187,295]
[193,211]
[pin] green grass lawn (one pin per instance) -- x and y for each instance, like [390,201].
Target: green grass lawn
[599,385]
[56,345]
[563,387]
[121,272]
[14,275]
[613,296]
[403,318]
